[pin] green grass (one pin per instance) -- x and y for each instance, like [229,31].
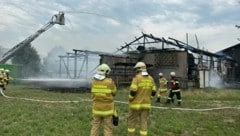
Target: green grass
[33,118]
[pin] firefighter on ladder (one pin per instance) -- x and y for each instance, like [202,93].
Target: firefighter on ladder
[103,89]
[142,89]
[174,89]
[162,90]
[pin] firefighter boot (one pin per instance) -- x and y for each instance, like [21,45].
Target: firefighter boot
[168,101]
[179,103]
[158,100]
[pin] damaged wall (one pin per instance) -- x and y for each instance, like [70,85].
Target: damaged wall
[164,61]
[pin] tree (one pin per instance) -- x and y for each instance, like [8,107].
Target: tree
[29,59]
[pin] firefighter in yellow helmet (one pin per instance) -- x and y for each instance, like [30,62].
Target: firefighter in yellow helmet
[142,89]
[174,89]
[103,89]
[162,90]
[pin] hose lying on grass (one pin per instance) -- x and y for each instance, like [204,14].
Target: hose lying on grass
[88,100]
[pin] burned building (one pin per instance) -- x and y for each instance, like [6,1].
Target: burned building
[164,61]
[233,68]
[193,67]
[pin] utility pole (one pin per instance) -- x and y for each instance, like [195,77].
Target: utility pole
[238,26]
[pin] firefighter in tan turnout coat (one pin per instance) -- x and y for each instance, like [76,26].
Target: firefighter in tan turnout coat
[142,89]
[103,89]
[162,90]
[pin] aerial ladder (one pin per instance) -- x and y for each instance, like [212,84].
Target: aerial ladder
[56,19]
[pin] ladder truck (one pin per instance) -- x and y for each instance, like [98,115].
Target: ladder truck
[56,19]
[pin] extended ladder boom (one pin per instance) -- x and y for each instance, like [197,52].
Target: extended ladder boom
[56,19]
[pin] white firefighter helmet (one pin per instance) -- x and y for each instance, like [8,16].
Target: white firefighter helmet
[140,65]
[160,74]
[6,70]
[103,69]
[172,74]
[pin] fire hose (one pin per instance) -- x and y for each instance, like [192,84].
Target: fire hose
[121,102]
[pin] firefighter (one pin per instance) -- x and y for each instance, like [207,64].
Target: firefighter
[174,89]
[162,90]
[103,89]
[2,78]
[142,89]
[7,76]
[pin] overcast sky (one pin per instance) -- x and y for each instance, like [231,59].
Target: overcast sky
[112,23]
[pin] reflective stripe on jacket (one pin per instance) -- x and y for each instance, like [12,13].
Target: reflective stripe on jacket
[144,86]
[102,96]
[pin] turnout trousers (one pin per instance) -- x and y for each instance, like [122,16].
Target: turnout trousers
[162,93]
[107,125]
[171,95]
[134,117]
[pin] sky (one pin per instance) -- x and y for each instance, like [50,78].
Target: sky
[105,25]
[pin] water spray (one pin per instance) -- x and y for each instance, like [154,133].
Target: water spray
[105,16]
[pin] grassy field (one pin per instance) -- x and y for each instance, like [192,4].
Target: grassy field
[25,117]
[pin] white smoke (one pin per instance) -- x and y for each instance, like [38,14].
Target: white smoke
[69,67]
[215,80]
[50,66]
